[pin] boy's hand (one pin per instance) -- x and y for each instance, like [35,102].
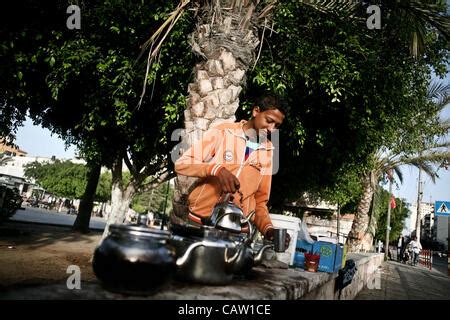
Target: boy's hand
[228,181]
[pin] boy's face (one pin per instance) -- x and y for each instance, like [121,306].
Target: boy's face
[267,120]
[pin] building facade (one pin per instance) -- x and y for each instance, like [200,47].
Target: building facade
[10,150]
[426,220]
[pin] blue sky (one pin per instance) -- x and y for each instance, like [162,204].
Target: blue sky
[432,191]
[39,142]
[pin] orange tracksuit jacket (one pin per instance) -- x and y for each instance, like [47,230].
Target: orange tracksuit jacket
[224,146]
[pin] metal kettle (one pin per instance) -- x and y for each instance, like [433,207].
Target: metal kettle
[229,217]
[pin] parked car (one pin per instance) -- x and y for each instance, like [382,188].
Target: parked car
[10,202]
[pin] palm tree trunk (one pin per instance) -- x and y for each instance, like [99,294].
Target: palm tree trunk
[228,50]
[357,236]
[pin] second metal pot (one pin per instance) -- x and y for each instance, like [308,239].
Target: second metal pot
[205,258]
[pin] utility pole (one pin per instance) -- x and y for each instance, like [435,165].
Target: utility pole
[165,206]
[419,202]
[388,222]
[338,216]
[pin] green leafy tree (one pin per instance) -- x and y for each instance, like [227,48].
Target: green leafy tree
[226,39]
[348,97]
[66,179]
[157,200]
[418,143]
[349,87]
[85,86]
[397,218]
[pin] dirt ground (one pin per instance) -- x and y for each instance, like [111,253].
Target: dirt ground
[32,254]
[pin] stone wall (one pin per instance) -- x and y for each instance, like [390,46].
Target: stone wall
[368,269]
[265,284]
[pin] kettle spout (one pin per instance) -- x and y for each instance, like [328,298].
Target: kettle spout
[259,256]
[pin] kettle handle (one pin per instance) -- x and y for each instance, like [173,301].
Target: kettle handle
[205,243]
[228,195]
[245,221]
[221,217]
[250,235]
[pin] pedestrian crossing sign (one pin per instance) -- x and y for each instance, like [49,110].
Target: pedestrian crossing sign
[442,208]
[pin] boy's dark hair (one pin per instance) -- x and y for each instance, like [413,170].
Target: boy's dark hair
[271,102]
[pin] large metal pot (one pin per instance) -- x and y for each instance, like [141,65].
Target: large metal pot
[134,259]
[204,254]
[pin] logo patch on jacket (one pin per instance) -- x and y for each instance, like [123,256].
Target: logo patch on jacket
[228,155]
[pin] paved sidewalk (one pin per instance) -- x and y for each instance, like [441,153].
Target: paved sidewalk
[405,282]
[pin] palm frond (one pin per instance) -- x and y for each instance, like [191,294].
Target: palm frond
[418,15]
[429,157]
[155,42]
[428,162]
[342,8]
[445,124]
[399,173]
[439,93]
[438,145]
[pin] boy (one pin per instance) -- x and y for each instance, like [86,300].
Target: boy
[235,158]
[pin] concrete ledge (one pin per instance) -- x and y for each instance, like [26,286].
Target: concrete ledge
[367,265]
[263,284]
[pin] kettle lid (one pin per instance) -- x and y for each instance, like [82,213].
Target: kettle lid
[135,230]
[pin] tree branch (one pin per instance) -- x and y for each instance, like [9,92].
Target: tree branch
[161,178]
[129,164]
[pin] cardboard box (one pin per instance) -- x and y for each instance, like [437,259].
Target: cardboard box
[306,246]
[330,256]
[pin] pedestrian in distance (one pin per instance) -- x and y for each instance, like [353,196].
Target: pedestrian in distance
[415,248]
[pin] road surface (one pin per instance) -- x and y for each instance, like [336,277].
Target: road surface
[43,216]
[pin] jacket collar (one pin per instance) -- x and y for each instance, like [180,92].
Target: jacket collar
[237,130]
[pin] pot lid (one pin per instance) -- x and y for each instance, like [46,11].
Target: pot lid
[129,229]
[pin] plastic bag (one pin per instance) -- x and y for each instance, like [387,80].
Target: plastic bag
[303,234]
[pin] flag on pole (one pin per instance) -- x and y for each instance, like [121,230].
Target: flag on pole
[393,204]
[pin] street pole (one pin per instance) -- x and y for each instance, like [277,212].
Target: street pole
[165,206]
[150,200]
[419,201]
[338,226]
[388,222]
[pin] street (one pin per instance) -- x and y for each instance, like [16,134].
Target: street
[43,216]
[405,282]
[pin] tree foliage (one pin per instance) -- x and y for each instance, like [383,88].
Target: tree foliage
[66,179]
[397,218]
[85,84]
[350,89]
[154,200]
